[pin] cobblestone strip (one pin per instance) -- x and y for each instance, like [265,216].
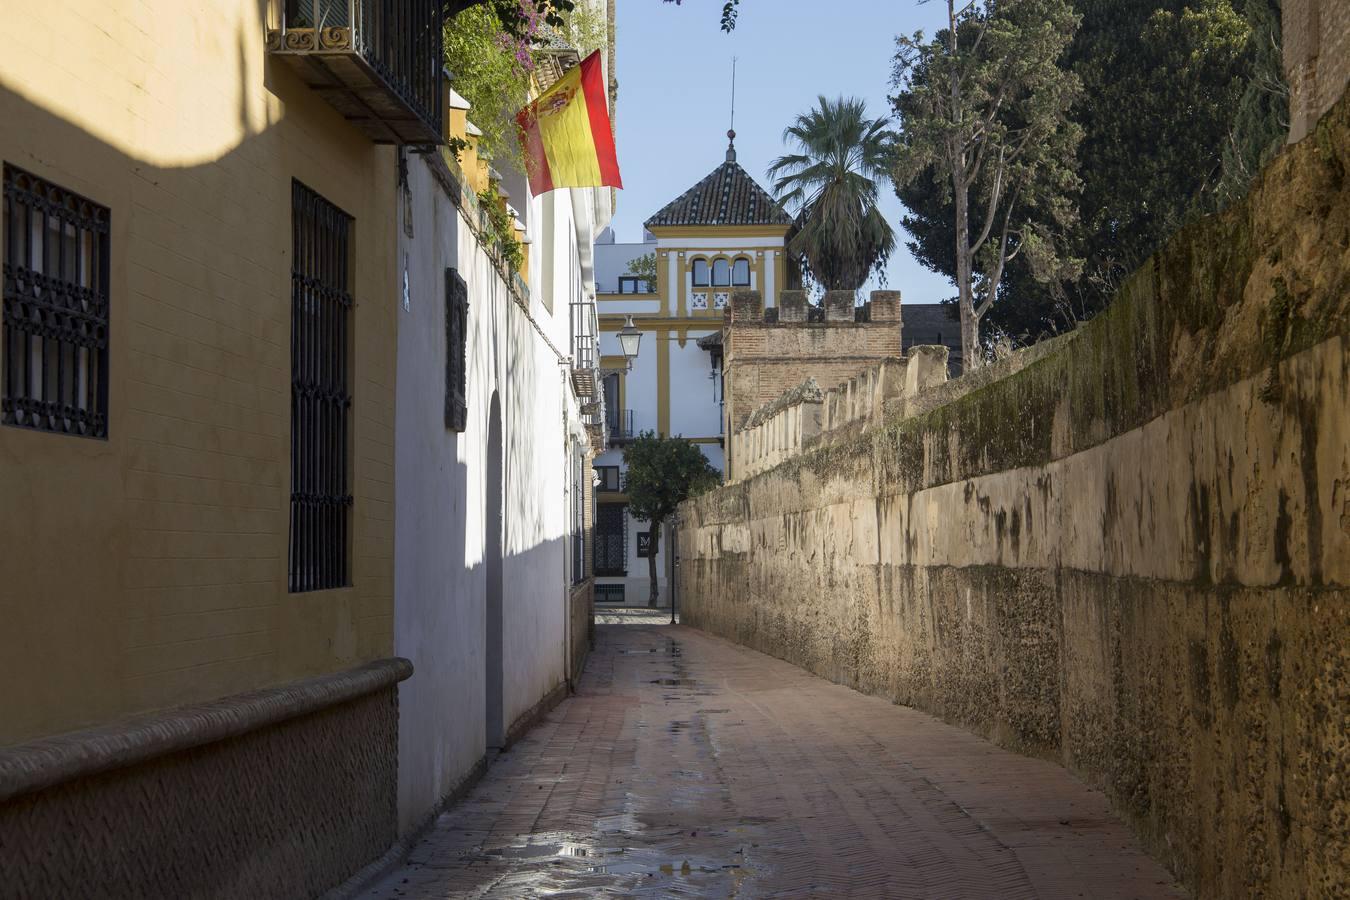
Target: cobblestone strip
[687,766]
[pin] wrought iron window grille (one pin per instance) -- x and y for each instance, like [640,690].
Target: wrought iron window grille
[54,337]
[321,303]
[611,539]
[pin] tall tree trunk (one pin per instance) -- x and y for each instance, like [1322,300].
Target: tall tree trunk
[956,152]
[651,564]
[970,332]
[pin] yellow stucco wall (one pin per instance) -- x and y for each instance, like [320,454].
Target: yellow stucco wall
[149,569]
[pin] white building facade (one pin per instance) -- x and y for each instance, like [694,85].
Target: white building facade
[722,235]
[496,386]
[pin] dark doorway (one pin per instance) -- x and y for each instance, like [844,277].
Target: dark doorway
[493,524]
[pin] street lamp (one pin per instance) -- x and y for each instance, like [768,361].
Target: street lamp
[629,339]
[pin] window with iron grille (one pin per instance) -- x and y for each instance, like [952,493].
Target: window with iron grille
[456,346]
[579,520]
[321,303]
[611,539]
[54,337]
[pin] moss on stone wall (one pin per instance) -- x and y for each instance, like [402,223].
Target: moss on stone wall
[1187,450]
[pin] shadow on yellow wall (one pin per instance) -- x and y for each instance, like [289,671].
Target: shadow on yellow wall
[150,569]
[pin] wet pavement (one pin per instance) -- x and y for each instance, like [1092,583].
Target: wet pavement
[632,615]
[687,766]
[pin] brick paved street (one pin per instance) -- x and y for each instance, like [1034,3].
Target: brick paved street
[689,766]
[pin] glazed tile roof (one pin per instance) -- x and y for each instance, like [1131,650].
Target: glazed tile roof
[727,196]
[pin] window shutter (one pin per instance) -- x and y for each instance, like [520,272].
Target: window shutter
[456,368]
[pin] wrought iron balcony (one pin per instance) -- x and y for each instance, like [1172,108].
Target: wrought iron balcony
[620,426]
[377,62]
[585,349]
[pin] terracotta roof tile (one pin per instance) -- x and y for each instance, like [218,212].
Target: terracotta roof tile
[727,196]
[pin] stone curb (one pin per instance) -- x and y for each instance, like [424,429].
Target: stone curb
[41,764]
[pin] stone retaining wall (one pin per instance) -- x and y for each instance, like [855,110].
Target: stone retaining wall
[1129,553]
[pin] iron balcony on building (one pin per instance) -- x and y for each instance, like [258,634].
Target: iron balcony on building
[620,426]
[585,349]
[377,62]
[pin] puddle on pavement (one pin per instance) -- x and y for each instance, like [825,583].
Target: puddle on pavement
[552,862]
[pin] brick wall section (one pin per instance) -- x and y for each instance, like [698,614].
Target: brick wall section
[1316,37]
[764,359]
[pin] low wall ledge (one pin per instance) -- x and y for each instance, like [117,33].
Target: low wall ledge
[35,766]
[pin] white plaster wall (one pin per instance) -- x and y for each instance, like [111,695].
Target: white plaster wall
[439,493]
[694,411]
[611,261]
[631,304]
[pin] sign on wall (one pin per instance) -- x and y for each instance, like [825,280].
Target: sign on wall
[644,548]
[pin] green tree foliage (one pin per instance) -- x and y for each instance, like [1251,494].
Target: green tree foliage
[1183,102]
[491,48]
[663,473]
[1162,80]
[644,267]
[831,183]
[983,115]
[494,79]
[1261,120]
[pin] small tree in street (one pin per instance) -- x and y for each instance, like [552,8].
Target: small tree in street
[662,473]
[984,107]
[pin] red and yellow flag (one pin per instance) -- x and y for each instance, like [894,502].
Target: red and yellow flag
[566,134]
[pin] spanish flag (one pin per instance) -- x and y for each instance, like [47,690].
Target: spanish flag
[566,134]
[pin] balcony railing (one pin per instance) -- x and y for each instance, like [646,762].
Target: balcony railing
[378,62]
[585,349]
[620,423]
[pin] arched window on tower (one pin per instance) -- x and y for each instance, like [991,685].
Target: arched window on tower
[721,272]
[700,273]
[740,272]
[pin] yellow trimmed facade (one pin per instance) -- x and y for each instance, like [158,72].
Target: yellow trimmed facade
[722,235]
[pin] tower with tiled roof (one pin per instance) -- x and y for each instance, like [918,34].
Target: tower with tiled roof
[724,234]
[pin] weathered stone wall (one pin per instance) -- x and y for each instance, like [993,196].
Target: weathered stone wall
[806,416]
[1316,39]
[1130,553]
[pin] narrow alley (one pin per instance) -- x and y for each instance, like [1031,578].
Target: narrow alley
[689,766]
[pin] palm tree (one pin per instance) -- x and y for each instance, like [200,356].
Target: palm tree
[832,184]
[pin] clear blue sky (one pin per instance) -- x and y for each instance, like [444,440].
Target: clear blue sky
[675,85]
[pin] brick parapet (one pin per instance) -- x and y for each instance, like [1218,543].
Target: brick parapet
[765,357]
